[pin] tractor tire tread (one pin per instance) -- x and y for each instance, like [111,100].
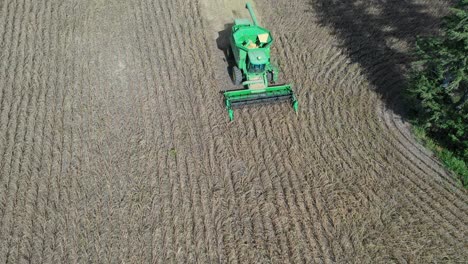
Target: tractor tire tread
[236,75]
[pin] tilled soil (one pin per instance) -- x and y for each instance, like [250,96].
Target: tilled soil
[115,146]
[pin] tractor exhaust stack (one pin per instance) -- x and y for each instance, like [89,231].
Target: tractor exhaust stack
[252,14]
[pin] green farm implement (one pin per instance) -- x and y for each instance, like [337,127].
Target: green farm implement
[250,49]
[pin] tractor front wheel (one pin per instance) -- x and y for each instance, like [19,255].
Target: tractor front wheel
[236,75]
[229,54]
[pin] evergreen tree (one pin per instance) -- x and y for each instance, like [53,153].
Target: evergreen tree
[439,85]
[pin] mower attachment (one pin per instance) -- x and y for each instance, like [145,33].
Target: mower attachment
[235,98]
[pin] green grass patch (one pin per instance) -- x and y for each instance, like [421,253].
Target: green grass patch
[451,161]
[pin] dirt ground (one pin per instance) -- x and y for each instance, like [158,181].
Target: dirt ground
[115,146]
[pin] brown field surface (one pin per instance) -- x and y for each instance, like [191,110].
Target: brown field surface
[115,146]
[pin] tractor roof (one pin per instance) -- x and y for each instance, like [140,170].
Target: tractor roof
[257,56]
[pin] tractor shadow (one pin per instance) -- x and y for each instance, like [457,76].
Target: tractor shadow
[379,36]
[222,42]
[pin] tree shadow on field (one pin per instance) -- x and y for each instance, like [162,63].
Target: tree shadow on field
[222,43]
[379,35]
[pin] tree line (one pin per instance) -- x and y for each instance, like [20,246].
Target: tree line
[438,91]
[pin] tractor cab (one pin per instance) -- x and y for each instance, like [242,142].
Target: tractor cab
[257,59]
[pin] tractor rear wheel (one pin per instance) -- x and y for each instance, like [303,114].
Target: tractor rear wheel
[236,75]
[270,77]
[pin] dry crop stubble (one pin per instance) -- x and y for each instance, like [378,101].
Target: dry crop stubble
[376,136]
[115,146]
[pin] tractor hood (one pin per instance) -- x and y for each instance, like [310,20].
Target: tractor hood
[258,56]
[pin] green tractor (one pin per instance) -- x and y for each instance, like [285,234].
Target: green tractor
[250,49]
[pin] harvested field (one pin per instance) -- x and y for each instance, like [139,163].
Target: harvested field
[115,145]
